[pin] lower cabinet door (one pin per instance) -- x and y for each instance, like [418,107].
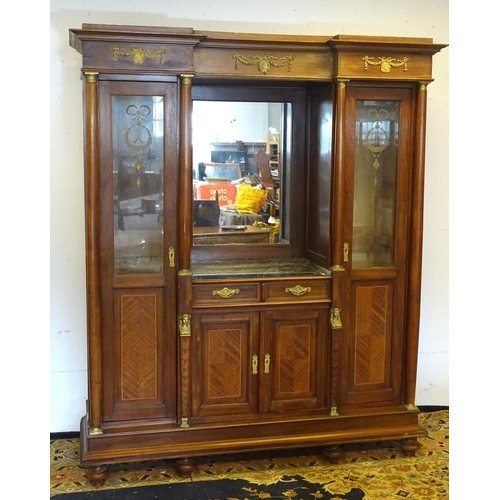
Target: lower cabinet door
[224,367]
[294,347]
[139,368]
[373,344]
[249,363]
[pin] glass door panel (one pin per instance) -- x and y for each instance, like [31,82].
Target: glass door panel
[137,127]
[376,160]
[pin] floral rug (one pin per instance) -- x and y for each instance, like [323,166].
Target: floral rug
[366,471]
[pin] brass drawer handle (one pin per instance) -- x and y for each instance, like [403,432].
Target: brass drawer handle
[226,292]
[298,290]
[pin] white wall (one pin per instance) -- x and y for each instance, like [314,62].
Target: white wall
[219,121]
[422,18]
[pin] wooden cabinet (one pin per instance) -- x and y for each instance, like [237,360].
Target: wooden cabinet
[262,357]
[207,341]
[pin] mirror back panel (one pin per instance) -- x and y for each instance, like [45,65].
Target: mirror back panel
[248,171]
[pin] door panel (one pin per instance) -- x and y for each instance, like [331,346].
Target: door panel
[372,335]
[137,126]
[141,326]
[224,379]
[371,344]
[140,352]
[294,347]
[378,145]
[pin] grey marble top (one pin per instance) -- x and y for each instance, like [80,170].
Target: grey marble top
[264,268]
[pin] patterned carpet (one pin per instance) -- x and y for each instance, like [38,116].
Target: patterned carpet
[367,471]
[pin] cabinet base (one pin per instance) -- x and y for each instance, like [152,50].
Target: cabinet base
[136,443]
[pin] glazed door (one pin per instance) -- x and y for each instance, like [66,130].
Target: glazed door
[138,239]
[378,130]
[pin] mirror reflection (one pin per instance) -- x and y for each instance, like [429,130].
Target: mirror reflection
[237,172]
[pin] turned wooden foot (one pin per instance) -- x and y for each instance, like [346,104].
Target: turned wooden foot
[97,475]
[185,467]
[333,454]
[409,446]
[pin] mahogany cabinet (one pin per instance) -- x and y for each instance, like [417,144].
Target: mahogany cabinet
[235,344]
[256,357]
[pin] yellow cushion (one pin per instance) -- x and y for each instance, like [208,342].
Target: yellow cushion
[250,200]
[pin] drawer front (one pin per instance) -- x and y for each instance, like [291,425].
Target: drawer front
[298,290]
[221,294]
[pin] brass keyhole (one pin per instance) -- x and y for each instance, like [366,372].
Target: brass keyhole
[346,252]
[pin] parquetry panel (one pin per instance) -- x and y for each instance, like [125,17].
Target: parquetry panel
[139,370]
[370,334]
[224,369]
[294,359]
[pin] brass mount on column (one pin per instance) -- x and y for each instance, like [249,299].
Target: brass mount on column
[91,76]
[411,407]
[423,86]
[341,83]
[335,320]
[186,79]
[185,325]
[334,412]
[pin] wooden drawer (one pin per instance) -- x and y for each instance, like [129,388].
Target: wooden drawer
[220,294]
[297,290]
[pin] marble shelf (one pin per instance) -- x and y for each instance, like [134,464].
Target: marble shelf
[265,268]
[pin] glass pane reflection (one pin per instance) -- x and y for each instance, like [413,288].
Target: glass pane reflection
[239,152]
[138,184]
[376,158]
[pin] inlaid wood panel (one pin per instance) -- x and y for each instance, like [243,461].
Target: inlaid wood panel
[139,346]
[223,370]
[224,382]
[295,350]
[139,355]
[371,334]
[374,353]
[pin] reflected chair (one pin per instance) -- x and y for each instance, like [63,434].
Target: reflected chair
[267,181]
